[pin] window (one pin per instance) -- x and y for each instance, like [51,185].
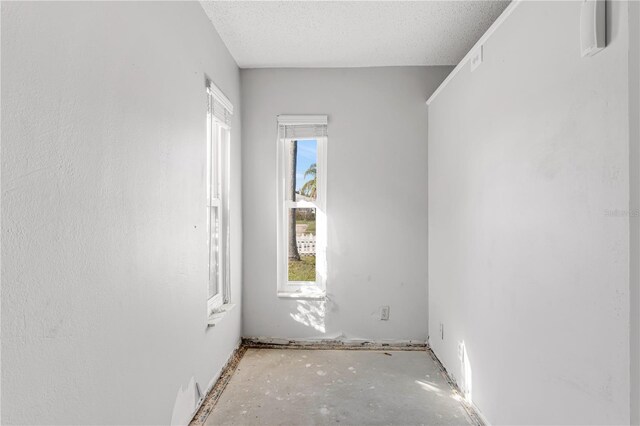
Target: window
[219,114]
[302,224]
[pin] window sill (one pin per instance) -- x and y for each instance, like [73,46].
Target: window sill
[307,294]
[219,315]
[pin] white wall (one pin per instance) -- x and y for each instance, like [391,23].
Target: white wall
[376,201]
[526,270]
[104,237]
[634,176]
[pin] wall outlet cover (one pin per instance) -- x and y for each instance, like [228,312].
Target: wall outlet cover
[476,58]
[384,313]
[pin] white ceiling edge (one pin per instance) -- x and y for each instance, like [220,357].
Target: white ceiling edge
[498,22]
[350,34]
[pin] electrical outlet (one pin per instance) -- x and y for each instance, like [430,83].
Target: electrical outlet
[384,313]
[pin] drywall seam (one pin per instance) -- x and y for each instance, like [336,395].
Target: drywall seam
[218,383]
[505,14]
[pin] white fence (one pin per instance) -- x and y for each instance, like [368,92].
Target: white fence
[306,244]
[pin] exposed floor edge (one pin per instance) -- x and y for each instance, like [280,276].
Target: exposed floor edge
[275,343]
[472,411]
[212,396]
[229,369]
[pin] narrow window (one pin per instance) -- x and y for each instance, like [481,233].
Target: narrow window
[219,115]
[302,229]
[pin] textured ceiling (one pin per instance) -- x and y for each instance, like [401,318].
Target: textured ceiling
[350,33]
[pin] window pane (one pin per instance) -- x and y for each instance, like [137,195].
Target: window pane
[301,243]
[216,161]
[214,252]
[301,170]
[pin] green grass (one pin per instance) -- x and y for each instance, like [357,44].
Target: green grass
[303,270]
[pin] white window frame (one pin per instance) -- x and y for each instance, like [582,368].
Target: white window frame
[218,175]
[302,289]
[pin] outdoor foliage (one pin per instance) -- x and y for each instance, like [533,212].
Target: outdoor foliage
[309,189]
[302,221]
[303,270]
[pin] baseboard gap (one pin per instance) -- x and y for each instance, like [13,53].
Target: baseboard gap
[471,410]
[269,343]
[212,396]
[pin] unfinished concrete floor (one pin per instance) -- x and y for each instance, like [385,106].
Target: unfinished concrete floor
[304,387]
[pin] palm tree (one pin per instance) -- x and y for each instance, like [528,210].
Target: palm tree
[293,245]
[309,189]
